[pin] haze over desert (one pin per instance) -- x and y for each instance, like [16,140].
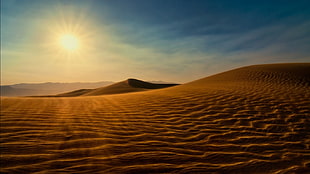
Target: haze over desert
[155,86]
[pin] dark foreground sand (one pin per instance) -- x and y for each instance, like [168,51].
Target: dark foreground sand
[249,120]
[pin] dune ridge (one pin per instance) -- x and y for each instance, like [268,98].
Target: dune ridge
[252,119]
[129,85]
[286,73]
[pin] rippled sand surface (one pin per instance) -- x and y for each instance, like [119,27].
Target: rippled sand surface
[248,120]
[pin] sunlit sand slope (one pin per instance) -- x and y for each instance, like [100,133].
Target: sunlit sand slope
[249,120]
[129,85]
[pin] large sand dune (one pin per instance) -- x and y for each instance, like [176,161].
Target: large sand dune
[129,85]
[248,120]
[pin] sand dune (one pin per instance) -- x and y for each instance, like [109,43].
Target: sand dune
[249,120]
[129,85]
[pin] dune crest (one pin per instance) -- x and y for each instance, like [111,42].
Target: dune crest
[129,85]
[252,119]
[286,73]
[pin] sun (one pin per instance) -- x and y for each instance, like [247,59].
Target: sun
[69,42]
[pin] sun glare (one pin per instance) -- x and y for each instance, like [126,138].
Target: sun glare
[69,42]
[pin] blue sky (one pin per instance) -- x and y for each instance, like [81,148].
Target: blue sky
[169,40]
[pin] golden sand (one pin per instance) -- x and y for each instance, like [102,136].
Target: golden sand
[127,86]
[248,120]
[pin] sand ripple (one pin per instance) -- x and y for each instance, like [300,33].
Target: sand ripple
[254,124]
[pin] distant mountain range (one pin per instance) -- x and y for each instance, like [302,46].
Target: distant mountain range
[50,88]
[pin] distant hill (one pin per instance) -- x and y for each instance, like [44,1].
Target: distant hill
[12,91]
[49,88]
[129,85]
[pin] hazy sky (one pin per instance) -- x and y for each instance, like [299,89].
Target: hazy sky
[169,40]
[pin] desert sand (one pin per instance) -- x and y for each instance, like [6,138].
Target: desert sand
[252,119]
[127,86]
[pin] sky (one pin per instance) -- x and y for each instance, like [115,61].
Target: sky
[168,40]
